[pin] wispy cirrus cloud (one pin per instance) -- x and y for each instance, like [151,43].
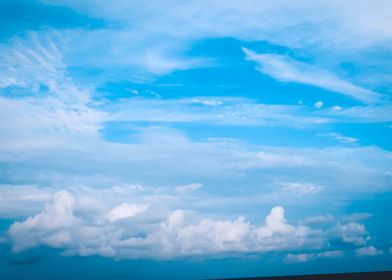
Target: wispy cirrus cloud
[339,137]
[315,28]
[42,105]
[287,69]
[237,111]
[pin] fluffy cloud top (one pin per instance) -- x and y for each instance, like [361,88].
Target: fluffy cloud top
[48,227]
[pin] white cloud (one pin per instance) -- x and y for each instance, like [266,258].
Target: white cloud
[47,227]
[276,223]
[301,188]
[164,230]
[331,254]
[206,102]
[62,225]
[269,158]
[21,200]
[222,111]
[180,236]
[367,251]
[287,69]
[125,210]
[319,219]
[203,238]
[55,112]
[328,31]
[345,172]
[330,24]
[354,233]
[27,61]
[51,138]
[359,114]
[159,64]
[343,139]
[294,258]
[65,116]
[58,239]
[240,112]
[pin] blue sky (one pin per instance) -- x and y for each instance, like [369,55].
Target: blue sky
[225,138]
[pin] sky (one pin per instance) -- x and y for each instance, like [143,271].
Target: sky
[194,139]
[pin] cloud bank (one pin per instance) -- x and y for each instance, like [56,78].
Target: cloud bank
[127,231]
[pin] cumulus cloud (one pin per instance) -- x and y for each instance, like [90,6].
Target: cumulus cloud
[48,227]
[150,230]
[181,233]
[287,69]
[230,236]
[205,237]
[354,233]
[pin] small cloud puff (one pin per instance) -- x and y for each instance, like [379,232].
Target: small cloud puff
[319,104]
[352,233]
[125,210]
[367,251]
[297,258]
